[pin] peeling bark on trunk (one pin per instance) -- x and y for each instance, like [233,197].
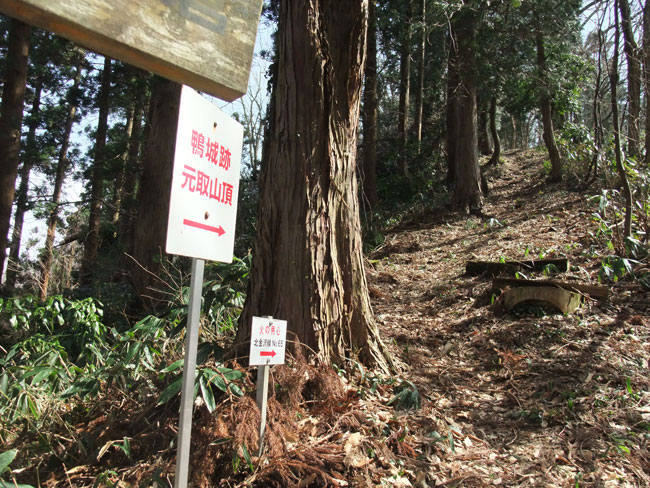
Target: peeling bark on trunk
[370,115]
[91,243]
[150,229]
[308,262]
[546,108]
[11,118]
[467,193]
[23,189]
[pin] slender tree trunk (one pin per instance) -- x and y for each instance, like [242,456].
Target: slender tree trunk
[11,119]
[370,115]
[513,122]
[132,172]
[451,110]
[120,182]
[308,261]
[23,189]
[91,243]
[496,155]
[467,194]
[596,108]
[419,94]
[546,107]
[150,230]
[646,77]
[633,80]
[613,82]
[61,169]
[483,138]
[405,84]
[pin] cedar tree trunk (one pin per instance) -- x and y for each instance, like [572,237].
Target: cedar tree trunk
[308,262]
[419,94]
[451,115]
[150,229]
[467,192]
[370,115]
[11,120]
[405,84]
[91,243]
[23,189]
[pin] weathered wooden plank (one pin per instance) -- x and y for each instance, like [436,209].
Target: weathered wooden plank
[206,44]
[565,301]
[596,292]
[473,268]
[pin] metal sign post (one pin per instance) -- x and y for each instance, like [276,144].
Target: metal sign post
[189,368]
[201,225]
[262,396]
[268,343]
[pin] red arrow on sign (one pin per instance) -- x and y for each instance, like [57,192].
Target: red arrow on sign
[218,230]
[267,353]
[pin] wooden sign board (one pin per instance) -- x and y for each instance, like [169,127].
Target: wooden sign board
[206,44]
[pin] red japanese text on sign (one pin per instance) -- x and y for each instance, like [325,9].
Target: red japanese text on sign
[201,183]
[217,154]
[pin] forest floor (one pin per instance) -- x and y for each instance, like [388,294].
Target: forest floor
[484,396]
[530,398]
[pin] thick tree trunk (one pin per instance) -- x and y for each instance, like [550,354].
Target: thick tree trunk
[496,155]
[467,194]
[11,119]
[546,108]
[419,94]
[23,189]
[150,229]
[405,85]
[61,168]
[91,243]
[370,115]
[633,80]
[613,84]
[308,262]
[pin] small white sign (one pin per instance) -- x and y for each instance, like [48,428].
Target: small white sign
[205,181]
[268,341]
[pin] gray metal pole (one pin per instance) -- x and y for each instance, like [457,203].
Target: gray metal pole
[261,397]
[189,368]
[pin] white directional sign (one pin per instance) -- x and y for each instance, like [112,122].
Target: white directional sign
[268,341]
[205,183]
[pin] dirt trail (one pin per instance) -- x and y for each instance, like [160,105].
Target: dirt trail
[534,399]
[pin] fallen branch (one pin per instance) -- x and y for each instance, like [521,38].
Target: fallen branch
[475,268]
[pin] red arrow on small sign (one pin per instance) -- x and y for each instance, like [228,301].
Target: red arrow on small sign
[267,353]
[217,230]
